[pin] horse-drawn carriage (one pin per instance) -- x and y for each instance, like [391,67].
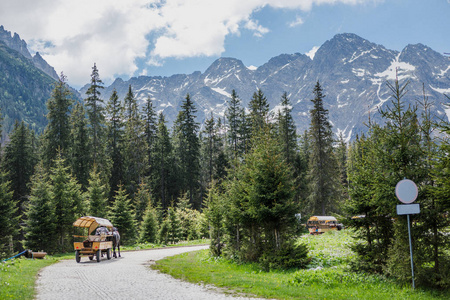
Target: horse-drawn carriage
[94,244]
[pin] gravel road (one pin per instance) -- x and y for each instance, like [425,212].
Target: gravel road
[128,277]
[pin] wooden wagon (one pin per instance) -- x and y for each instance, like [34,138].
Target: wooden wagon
[93,245]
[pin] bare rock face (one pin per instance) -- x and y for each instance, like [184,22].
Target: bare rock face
[14,42]
[44,66]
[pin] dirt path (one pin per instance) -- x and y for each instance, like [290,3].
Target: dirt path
[128,277]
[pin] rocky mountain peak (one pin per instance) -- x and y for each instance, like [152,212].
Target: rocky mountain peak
[14,42]
[44,66]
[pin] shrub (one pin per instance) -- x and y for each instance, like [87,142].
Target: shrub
[287,257]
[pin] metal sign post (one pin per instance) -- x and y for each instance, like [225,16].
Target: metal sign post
[406,191]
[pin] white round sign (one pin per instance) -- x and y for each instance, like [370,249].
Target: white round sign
[406,191]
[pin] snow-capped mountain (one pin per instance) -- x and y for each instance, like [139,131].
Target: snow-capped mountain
[351,70]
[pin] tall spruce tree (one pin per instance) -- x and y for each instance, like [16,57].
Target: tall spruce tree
[163,163]
[135,146]
[142,200]
[66,199]
[188,149]
[115,143]
[149,118]
[9,220]
[40,222]
[259,111]
[96,195]
[211,148]
[19,161]
[233,114]
[287,131]
[94,107]
[79,153]
[56,137]
[122,216]
[261,204]
[323,177]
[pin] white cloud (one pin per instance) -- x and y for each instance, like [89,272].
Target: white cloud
[298,21]
[72,35]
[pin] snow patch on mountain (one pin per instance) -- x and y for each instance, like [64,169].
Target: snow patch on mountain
[311,53]
[397,69]
[222,91]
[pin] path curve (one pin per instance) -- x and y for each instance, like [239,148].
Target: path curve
[128,277]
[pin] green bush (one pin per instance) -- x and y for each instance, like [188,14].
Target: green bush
[289,256]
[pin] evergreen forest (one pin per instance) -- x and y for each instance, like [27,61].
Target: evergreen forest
[241,181]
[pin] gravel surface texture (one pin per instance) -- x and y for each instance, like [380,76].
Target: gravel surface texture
[128,277]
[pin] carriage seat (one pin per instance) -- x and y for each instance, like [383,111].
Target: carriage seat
[94,238]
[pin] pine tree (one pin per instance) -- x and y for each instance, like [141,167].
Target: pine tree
[287,131]
[259,111]
[233,113]
[56,135]
[80,150]
[210,146]
[19,161]
[94,107]
[341,158]
[142,200]
[115,143]
[135,146]
[122,216]
[174,226]
[40,223]
[163,163]
[96,195]
[150,134]
[214,210]
[439,244]
[323,177]
[188,149]
[149,227]
[9,220]
[261,197]
[66,199]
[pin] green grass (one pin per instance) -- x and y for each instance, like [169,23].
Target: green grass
[326,277]
[18,276]
[144,246]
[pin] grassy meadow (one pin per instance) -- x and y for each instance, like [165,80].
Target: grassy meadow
[326,277]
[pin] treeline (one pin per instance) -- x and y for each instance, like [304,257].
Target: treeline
[239,180]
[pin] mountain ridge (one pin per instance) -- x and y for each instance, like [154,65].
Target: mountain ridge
[352,71]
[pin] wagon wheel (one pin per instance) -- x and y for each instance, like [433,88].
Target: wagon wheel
[108,253]
[77,256]
[98,255]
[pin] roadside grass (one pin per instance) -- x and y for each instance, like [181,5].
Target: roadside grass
[18,276]
[326,277]
[145,246]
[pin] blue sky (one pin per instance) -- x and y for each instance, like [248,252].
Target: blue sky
[164,37]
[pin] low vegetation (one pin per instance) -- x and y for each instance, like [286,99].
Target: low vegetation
[18,276]
[327,275]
